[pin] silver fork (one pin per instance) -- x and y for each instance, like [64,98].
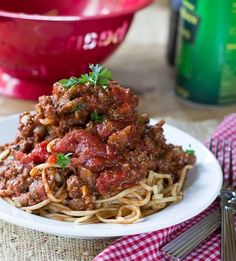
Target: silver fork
[182,245]
[227,196]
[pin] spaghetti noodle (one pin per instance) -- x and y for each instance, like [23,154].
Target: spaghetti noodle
[149,196]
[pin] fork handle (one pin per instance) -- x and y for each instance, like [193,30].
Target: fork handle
[228,235]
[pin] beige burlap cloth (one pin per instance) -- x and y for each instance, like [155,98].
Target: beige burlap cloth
[20,244]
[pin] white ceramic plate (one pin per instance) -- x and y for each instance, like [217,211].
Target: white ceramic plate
[201,188]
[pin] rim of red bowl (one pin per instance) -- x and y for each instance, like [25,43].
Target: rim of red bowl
[132,9]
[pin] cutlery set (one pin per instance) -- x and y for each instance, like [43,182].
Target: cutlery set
[182,245]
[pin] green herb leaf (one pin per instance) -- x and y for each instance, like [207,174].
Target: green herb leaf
[96,70]
[97,118]
[68,83]
[84,78]
[190,151]
[104,77]
[63,160]
[98,76]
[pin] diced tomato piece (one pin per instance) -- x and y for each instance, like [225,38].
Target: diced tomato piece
[52,159]
[38,155]
[112,180]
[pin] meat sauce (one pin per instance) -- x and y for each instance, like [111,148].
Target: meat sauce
[38,155]
[106,155]
[87,150]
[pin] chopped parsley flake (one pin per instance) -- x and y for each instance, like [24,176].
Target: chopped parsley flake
[97,118]
[190,151]
[63,160]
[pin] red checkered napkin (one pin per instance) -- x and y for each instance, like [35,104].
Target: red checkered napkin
[146,246]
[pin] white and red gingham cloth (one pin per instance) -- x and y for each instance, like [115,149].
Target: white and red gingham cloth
[145,247]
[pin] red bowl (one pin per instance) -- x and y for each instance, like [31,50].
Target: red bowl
[43,41]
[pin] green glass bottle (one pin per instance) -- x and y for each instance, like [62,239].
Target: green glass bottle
[206,60]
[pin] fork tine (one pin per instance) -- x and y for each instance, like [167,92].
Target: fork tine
[228,236]
[230,180]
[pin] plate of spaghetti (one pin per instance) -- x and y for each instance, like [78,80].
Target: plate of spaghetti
[87,164]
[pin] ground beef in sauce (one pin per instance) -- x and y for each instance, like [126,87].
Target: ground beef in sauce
[106,156]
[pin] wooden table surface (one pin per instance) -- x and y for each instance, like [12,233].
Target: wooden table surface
[140,64]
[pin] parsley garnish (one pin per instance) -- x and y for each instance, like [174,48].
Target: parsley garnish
[68,83]
[103,75]
[63,160]
[97,118]
[98,76]
[190,151]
